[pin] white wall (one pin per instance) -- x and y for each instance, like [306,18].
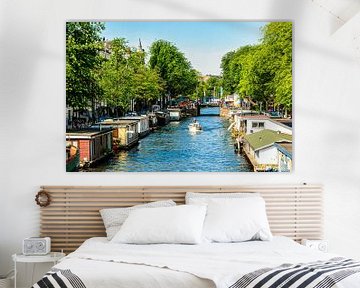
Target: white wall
[32,109]
[267,156]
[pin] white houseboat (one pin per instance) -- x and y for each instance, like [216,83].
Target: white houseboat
[254,123]
[284,156]
[124,132]
[175,114]
[261,150]
[143,124]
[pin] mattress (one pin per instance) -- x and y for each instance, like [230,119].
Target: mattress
[99,263]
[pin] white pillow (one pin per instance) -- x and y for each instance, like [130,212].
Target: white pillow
[204,198]
[180,224]
[236,220]
[113,218]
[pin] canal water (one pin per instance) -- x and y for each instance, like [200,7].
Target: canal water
[173,148]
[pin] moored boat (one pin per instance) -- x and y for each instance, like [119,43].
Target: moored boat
[143,124]
[94,143]
[175,114]
[124,132]
[153,122]
[163,118]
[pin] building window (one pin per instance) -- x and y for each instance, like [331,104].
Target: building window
[257,124]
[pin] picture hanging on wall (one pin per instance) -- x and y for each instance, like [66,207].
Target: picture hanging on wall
[179,96]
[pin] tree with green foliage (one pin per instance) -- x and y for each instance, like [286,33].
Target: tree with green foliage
[208,86]
[277,41]
[148,84]
[213,86]
[262,72]
[200,90]
[126,77]
[231,64]
[176,71]
[116,77]
[228,84]
[255,76]
[83,58]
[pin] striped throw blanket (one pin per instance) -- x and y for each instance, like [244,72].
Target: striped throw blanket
[59,278]
[320,274]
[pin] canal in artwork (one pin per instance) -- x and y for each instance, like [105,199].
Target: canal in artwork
[174,148]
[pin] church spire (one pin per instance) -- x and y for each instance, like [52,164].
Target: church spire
[140,48]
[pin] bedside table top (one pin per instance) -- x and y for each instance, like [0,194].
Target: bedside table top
[51,257]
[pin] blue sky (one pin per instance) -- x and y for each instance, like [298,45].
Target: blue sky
[203,43]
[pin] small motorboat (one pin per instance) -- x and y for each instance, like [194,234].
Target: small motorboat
[195,127]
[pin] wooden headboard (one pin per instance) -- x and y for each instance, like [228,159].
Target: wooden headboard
[73,214]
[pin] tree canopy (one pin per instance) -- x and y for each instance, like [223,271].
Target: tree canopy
[278,44]
[122,75]
[262,72]
[176,71]
[82,59]
[125,76]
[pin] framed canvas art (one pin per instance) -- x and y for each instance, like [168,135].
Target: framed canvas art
[179,96]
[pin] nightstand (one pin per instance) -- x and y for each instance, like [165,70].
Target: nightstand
[320,245]
[53,257]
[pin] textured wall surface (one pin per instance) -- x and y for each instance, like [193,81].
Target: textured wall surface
[32,109]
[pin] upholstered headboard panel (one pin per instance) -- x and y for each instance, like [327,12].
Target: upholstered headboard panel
[73,214]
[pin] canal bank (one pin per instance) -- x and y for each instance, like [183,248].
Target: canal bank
[174,149]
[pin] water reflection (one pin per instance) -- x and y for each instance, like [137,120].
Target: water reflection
[174,148]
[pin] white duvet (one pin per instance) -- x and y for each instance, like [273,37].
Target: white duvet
[100,263]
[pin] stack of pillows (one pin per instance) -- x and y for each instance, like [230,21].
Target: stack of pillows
[223,217]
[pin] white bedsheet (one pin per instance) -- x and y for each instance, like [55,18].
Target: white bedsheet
[102,264]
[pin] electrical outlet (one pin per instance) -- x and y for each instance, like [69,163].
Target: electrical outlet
[320,245]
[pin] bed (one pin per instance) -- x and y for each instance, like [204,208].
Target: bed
[99,263]
[294,211]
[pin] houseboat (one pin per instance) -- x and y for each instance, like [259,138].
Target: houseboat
[143,124]
[163,117]
[124,132]
[284,156]
[261,151]
[175,114]
[94,144]
[248,124]
[153,123]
